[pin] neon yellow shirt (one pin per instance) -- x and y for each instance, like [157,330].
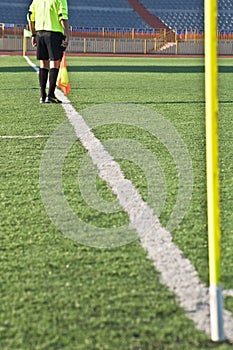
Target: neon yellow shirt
[47,14]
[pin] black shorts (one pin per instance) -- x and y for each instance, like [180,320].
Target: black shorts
[49,45]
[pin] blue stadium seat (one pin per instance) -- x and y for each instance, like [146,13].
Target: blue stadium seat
[176,14]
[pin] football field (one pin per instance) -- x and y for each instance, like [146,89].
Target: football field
[85,262]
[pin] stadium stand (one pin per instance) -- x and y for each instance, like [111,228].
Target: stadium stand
[104,13]
[175,14]
[149,18]
[88,13]
[182,14]
[15,13]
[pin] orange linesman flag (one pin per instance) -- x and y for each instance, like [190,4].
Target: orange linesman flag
[63,78]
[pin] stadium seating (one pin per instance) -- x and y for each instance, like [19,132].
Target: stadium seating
[176,14]
[104,13]
[15,13]
[185,13]
[181,14]
[106,17]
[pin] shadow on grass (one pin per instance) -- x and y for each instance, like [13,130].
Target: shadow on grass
[127,69]
[147,69]
[26,69]
[91,103]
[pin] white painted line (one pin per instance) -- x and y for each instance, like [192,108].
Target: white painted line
[228,293]
[34,66]
[176,272]
[21,137]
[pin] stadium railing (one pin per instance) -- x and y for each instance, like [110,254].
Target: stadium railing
[122,40]
[130,33]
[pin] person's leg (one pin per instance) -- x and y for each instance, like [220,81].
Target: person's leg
[43,57]
[43,77]
[55,64]
[54,41]
[53,73]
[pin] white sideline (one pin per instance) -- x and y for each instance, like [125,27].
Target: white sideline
[21,137]
[176,272]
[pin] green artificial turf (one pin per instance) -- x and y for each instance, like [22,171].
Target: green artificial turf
[59,294]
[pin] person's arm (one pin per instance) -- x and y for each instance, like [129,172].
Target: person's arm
[31,23]
[65,26]
[33,32]
[63,17]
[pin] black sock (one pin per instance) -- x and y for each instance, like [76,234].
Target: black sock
[43,77]
[53,73]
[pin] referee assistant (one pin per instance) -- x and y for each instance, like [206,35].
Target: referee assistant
[48,23]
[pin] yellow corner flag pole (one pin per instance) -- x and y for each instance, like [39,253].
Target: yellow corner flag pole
[214,234]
